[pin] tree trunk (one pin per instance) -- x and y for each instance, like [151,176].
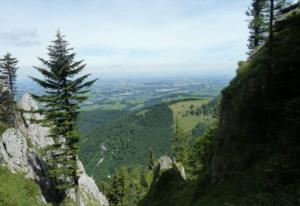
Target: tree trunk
[77,193]
[75,176]
[271,33]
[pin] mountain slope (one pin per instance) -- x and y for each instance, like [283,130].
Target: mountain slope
[252,158]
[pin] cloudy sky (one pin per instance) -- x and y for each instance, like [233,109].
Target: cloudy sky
[130,37]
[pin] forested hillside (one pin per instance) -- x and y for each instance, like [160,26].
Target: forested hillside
[126,139]
[121,151]
[251,157]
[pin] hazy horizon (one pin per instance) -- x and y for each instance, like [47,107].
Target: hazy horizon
[118,39]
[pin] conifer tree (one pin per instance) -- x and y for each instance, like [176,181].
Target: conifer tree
[151,159]
[8,76]
[181,145]
[273,13]
[263,14]
[64,92]
[2,105]
[257,25]
[8,67]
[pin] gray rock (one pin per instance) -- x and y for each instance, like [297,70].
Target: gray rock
[165,163]
[38,134]
[19,151]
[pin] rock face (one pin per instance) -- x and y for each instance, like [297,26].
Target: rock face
[20,151]
[166,163]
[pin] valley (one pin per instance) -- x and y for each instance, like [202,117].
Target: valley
[116,136]
[158,104]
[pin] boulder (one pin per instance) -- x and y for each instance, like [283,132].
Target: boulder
[165,163]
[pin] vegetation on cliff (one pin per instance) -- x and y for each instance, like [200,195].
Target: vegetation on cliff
[252,156]
[16,190]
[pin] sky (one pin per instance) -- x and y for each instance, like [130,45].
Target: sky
[130,37]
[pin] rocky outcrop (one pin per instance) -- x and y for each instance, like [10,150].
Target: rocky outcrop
[20,151]
[165,163]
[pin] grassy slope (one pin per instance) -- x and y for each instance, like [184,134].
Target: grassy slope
[255,160]
[15,190]
[181,113]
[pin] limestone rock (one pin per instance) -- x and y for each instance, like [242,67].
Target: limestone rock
[13,149]
[19,151]
[166,163]
[38,134]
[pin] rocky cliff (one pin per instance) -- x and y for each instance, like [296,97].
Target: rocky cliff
[252,157]
[20,151]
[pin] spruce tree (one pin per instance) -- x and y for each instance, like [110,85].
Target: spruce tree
[8,67]
[64,92]
[257,25]
[273,12]
[263,14]
[8,76]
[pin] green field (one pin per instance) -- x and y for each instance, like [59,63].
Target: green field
[184,114]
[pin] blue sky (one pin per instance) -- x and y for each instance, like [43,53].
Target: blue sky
[130,37]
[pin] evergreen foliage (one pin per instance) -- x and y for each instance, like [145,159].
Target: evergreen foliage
[257,25]
[263,14]
[127,140]
[181,143]
[127,186]
[63,94]
[8,75]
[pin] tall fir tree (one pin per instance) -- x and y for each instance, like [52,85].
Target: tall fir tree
[8,76]
[8,68]
[273,13]
[64,92]
[263,14]
[257,24]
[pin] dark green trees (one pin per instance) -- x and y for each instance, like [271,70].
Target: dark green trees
[63,94]
[257,24]
[8,75]
[181,143]
[128,186]
[263,14]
